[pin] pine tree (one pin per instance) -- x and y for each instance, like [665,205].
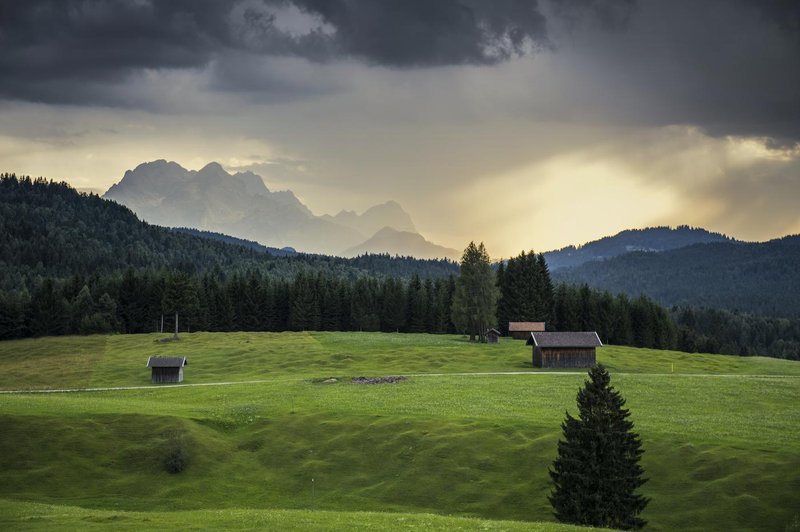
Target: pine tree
[179,296]
[130,304]
[526,290]
[475,298]
[597,469]
[48,316]
[544,290]
[415,306]
[393,306]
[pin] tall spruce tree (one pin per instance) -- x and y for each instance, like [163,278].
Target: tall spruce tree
[475,298]
[526,291]
[179,296]
[597,469]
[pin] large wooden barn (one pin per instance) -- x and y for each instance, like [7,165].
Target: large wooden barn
[564,349]
[521,330]
[166,369]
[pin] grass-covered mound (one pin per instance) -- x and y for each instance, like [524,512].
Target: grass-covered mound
[719,432]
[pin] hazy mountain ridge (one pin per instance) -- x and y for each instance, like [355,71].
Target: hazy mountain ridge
[53,231]
[759,277]
[389,214]
[650,239]
[405,243]
[241,205]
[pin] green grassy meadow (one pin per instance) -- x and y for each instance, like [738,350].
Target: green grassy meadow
[433,452]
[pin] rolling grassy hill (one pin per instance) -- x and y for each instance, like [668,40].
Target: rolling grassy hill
[719,434]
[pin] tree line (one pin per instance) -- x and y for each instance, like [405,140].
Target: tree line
[134,302]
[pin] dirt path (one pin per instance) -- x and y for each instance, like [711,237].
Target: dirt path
[465,374]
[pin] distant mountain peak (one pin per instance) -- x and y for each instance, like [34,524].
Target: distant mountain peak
[390,231]
[240,204]
[387,214]
[404,243]
[214,166]
[157,165]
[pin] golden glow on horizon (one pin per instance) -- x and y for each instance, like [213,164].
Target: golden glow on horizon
[564,200]
[663,176]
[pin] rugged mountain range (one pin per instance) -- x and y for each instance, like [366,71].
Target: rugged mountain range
[241,205]
[651,239]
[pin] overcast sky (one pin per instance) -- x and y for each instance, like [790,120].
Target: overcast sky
[523,124]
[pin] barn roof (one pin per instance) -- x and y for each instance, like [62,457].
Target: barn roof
[525,326]
[166,362]
[564,339]
[495,331]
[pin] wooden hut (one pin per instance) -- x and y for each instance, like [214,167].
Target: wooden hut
[492,336]
[564,349]
[166,369]
[521,330]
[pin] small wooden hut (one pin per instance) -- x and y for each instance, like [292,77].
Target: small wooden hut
[166,369]
[564,349]
[492,336]
[521,330]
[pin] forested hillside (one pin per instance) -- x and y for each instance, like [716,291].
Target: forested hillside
[758,278]
[236,241]
[648,239]
[51,230]
[78,264]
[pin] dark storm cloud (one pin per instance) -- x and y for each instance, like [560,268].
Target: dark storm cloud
[442,32]
[731,67]
[784,13]
[76,51]
[45,39]
[608,14]
[51,48]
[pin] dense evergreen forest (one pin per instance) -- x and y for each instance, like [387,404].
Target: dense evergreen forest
[77,264]
[765,276]
[214,301]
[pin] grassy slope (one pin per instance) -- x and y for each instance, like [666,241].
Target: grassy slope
[67,362]
[33,516]
[721,450]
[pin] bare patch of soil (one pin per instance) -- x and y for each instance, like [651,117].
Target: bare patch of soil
[378,380]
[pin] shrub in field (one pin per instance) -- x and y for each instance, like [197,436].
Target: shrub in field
[176,455]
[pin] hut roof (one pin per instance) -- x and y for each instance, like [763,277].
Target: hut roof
[495,331]
[564,339]
[525,326]
[166,362]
